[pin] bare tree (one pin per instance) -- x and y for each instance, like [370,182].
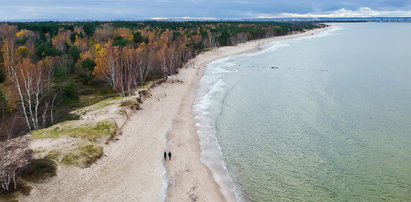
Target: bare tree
[31,82]
[14,156]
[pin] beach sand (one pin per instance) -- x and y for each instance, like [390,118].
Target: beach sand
[133,168]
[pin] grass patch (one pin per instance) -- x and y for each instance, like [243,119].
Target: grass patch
[83,156]
[107,102]
[128,103]
[53,154]
[97,105]
[146,85]
[39,169]
[54,131]
[93,132]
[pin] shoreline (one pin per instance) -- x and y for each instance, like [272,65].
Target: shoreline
[193,153]
[133,168]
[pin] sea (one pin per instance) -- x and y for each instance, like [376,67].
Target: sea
[324,117]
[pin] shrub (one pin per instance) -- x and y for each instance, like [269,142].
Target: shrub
[70,93]
[39,169]
[60,72]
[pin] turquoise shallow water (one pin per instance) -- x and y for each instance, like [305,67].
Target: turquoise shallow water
[332,123]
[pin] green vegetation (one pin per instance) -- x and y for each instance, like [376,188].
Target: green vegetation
[107,102]
[120,41]
[83,156]
[74,53]
[88,68]
[47,49]
[93,132]
[70,93]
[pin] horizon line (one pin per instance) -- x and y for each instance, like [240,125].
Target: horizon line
[193,19]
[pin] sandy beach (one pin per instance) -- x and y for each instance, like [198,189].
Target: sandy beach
[133,168]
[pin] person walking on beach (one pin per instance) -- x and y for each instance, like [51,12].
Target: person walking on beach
[169,155]
[165,155]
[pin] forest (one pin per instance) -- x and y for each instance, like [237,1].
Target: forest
[50,68]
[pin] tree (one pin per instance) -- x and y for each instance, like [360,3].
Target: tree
[138,38]
[88,67]
[2,72]
[108,67]
[31,82]
[46,49]
[62,39]
[15,155]
[74,54]
[22,51]
[124,68]
[120,41]
[144,63]
[123,54]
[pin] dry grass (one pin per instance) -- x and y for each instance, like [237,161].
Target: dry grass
[83,156]
[103,130]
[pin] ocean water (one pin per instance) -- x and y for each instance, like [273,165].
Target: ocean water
[330,122]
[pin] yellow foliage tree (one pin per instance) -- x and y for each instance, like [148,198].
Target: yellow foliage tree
[22,51]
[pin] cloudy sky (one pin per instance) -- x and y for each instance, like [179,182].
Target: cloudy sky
[146,9]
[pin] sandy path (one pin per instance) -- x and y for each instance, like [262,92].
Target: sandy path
[133,167]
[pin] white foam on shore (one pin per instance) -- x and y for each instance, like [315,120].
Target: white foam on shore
[165,183]
[210,85]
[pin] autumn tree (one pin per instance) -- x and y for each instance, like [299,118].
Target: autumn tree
[103,33]
[123,54]
[31,82]
[62,39]
[108,67]
[124,68]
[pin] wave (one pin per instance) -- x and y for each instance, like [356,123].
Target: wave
[211,155]
[272,46]
[276,45]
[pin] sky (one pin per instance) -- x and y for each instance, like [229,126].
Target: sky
[197,9]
